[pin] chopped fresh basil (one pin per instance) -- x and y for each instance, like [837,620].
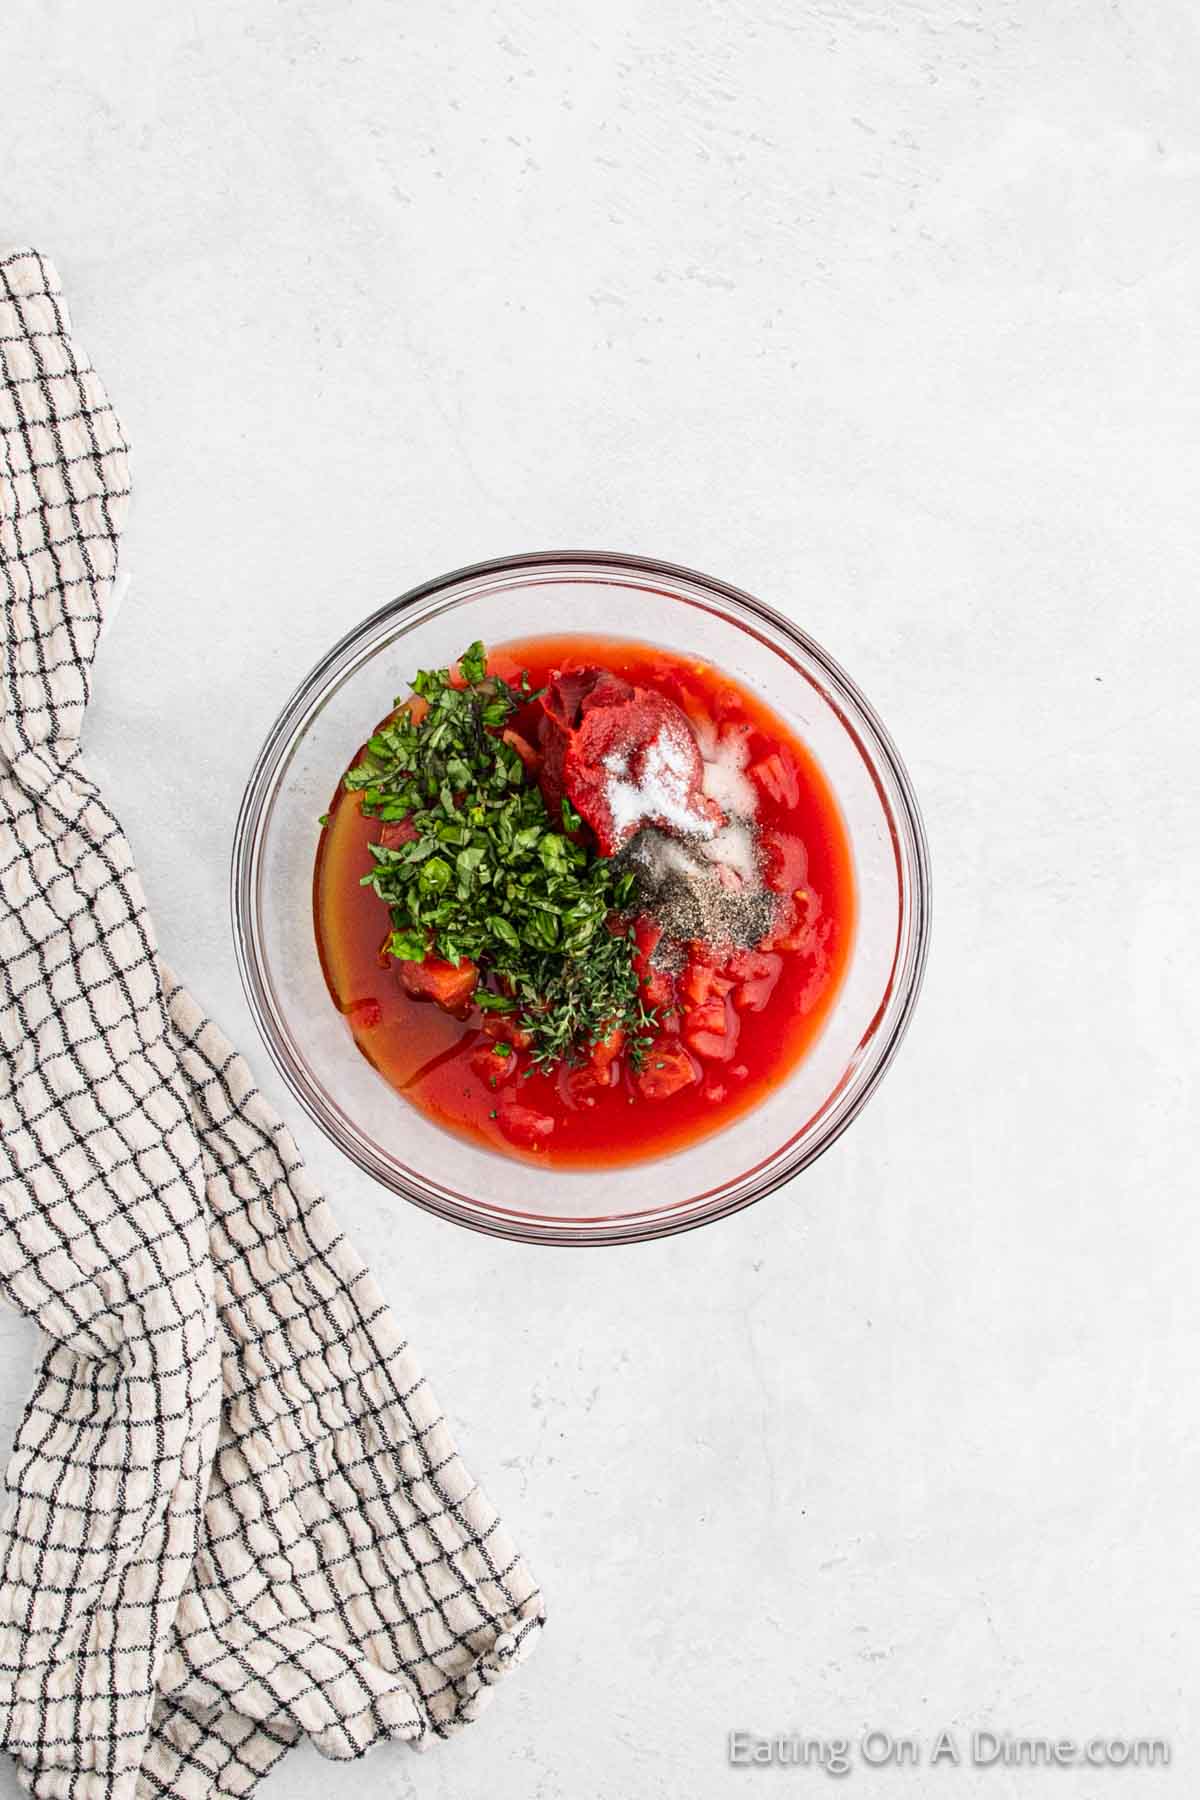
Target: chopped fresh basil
[489,875]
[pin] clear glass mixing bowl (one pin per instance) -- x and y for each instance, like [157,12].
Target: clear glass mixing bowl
[618,596]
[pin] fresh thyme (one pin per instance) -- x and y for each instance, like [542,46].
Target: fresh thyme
[489,876]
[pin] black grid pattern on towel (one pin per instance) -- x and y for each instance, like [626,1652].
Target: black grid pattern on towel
[236,1516]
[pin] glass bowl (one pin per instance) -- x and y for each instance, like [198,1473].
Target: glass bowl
[616,596]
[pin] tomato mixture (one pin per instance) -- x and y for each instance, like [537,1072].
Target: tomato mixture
[730,1019]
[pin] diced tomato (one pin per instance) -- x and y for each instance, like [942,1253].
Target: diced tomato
[604,1054]
[776,775]
[799,925]
[752,996]
[712,1030]
[441,982]
[700,983]
[647,933]
[713,1046]
[656,984]
[784,861]
[364,1015]
[759,973]
[396,832]
[742,965]
[493,1068]
[803,940]
[710,1015]
[657,990]
[525,750]
[666,1069]
[504,1029]
[708,956]
[522,1125]
[579,1087]
[727,706]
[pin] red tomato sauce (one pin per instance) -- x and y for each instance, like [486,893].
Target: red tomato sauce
[739,1022]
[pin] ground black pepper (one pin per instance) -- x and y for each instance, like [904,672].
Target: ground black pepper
[684,892]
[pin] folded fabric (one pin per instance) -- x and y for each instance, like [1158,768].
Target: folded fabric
[236,1515]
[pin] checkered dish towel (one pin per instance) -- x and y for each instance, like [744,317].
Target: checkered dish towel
[236,1515]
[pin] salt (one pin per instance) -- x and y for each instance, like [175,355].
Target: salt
[706,882]
[725,778]
[733,852]
[661,792]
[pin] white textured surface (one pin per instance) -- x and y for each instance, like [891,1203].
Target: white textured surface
[886,311]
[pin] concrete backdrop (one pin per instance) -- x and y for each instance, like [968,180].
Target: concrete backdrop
[885,310]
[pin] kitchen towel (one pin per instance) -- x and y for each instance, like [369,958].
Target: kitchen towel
[236,1515]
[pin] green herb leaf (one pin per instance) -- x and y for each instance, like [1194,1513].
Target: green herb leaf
[506,933]
[473,664]
[408,946]
[435,876]
[489,876]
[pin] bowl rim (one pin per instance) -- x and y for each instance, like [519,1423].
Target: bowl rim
[905,979]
